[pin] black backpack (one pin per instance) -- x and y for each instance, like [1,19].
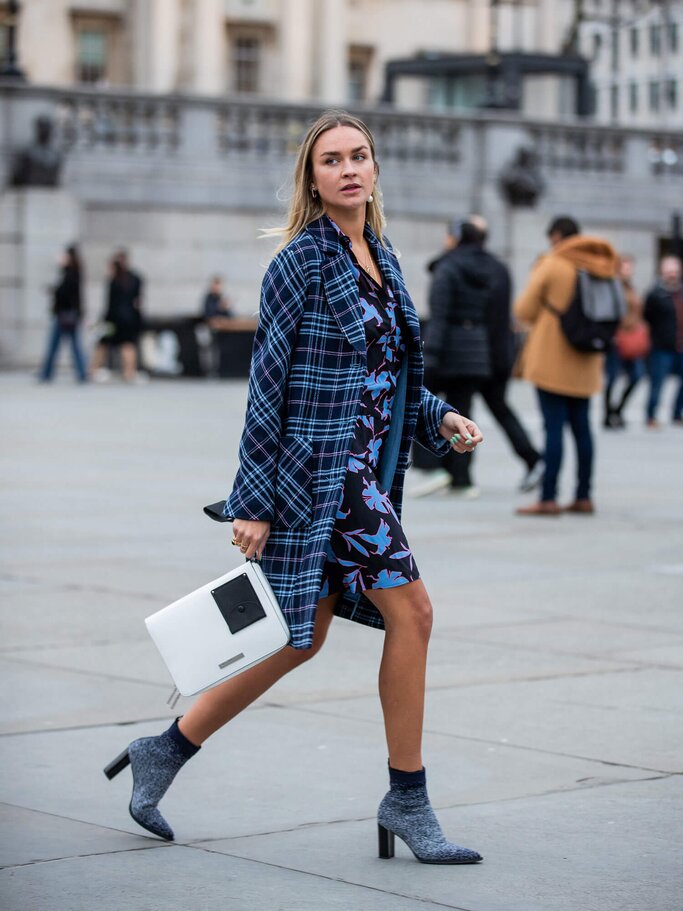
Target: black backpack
[594,314]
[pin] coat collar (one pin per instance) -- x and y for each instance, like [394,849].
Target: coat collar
[341,287]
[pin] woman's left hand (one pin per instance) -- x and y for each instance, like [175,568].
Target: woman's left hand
[463,434]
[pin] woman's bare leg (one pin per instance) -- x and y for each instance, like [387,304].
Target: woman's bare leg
[129,361]
[407,613]
[217,706]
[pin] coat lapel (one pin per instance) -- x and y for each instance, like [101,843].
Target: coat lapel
[395,279]
[341,288]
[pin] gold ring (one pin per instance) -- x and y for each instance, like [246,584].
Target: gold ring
[236,543]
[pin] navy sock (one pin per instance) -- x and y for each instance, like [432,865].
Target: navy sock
[397,778]
[187,748]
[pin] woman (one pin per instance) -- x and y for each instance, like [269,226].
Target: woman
[124,315]
[67,312]
[335,399]
[616,363]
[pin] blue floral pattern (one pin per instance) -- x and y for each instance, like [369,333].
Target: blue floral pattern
[369,547]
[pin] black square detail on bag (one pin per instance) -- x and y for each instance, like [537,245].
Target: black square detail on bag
[238,603]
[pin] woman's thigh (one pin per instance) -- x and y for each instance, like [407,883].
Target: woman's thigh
[404,606]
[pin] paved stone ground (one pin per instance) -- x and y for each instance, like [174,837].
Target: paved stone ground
[555,691]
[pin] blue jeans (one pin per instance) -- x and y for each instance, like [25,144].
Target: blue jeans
[54,342]
[557,411]
[614,367]
[661,364]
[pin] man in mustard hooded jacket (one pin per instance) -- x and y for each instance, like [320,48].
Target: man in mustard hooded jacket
[564,377]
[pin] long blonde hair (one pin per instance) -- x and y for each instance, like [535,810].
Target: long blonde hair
[303,207]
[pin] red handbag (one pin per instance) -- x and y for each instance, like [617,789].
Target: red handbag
[633,344]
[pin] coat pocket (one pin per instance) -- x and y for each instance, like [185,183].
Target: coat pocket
[294,483]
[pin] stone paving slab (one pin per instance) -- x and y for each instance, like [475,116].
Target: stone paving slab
[601,849]
[555,678]
[236,785]
[33,837]
[630,717]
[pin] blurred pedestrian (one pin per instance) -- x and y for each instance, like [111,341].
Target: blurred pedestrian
[626,355]
[469,348]
[218,317]
[123,319]
[565,378]
[336,379]
[664,314]
[67,315]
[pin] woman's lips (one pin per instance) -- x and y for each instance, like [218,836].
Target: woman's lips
[352,188]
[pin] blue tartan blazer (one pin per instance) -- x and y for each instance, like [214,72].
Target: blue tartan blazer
[307,372]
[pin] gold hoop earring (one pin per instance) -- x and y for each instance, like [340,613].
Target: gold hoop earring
[314,192]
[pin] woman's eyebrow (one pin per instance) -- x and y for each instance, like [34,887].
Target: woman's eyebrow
[353,151]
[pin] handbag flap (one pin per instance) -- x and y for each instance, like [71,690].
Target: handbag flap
[238,603]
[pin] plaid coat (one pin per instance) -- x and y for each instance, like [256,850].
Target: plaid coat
[307,373]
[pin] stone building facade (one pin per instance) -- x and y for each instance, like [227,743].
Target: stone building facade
[328,51]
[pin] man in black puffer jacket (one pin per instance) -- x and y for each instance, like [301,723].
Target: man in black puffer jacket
[469,349]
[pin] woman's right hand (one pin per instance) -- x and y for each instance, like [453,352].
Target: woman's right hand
[250,536]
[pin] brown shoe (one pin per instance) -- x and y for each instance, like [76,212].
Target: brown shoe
[585,507]
[542,508]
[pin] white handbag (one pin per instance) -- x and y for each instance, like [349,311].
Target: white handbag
[219,630]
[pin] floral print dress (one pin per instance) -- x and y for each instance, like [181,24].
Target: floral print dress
[369,547]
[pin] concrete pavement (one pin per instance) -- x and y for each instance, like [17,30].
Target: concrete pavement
[555,705]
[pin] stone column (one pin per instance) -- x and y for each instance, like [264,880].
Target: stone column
[332,57]
[209,47]
[37,223]
[156,36]
[297,53]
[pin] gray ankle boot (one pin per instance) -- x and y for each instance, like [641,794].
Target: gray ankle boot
[154,762]
[406,811]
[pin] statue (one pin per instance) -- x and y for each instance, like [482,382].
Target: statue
[520,181]
[39,164]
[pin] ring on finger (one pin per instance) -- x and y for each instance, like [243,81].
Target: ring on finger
[236,543]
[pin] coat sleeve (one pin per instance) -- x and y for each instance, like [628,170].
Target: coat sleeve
[283,296]
[429,418]
[530,301]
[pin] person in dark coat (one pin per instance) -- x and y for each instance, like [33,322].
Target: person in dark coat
[335,401]
[469,347]
[664,314]
[67,313]
[123,317]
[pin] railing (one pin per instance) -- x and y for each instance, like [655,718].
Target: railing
[127,123]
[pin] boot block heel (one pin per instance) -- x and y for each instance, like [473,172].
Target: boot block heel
[117,765]
[386,842]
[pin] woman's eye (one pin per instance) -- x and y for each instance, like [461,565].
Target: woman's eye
[360,156]
[331,161]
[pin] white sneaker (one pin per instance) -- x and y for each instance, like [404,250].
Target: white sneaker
[435,481]
[103,375]
[466,493]
[533,477]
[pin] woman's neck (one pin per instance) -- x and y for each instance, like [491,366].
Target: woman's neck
[351,223]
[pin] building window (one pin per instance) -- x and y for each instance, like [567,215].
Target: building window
[634,41]
[98,59]
[247,63]
[615,51]
[358,70]
[91,56]
[654,96]
[655,39]
[673,37]
[597,44]
[614,102]
[672,93]
[633,97]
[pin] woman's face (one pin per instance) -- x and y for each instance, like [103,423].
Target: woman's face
[343,168]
